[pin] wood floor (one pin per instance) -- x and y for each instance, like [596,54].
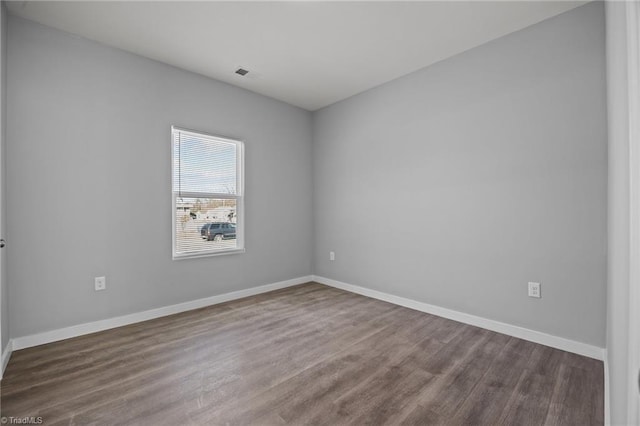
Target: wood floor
[308,354]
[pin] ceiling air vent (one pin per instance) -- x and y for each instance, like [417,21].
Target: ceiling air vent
[242,71]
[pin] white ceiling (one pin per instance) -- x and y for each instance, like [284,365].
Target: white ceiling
[309,54]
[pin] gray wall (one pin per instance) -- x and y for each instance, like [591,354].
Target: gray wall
[459,183]
[4,282]
[88,176]
[454,185]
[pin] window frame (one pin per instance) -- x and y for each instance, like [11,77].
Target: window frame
[238,197]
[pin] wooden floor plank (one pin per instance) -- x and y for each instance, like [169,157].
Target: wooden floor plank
[485,404]
[453,385]
[308,354]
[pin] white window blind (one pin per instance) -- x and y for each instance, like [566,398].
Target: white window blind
[207,194]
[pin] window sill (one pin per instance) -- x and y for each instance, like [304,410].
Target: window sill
[207,254]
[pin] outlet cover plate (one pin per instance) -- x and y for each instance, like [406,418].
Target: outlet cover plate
[100,283]
[534,290]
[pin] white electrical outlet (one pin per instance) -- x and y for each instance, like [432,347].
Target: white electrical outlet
[332,255]
[534,290]
[100,283]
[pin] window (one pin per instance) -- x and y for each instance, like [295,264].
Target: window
[207,194]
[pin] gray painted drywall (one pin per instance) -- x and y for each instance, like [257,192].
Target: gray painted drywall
[618,214]
[4,283]
[88,173]
[459,183]
[491,163]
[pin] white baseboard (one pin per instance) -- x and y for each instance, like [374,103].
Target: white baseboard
[92,327]
[497,326]
[500,327]
[6,354]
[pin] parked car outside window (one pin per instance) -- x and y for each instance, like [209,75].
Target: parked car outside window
[218,231]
